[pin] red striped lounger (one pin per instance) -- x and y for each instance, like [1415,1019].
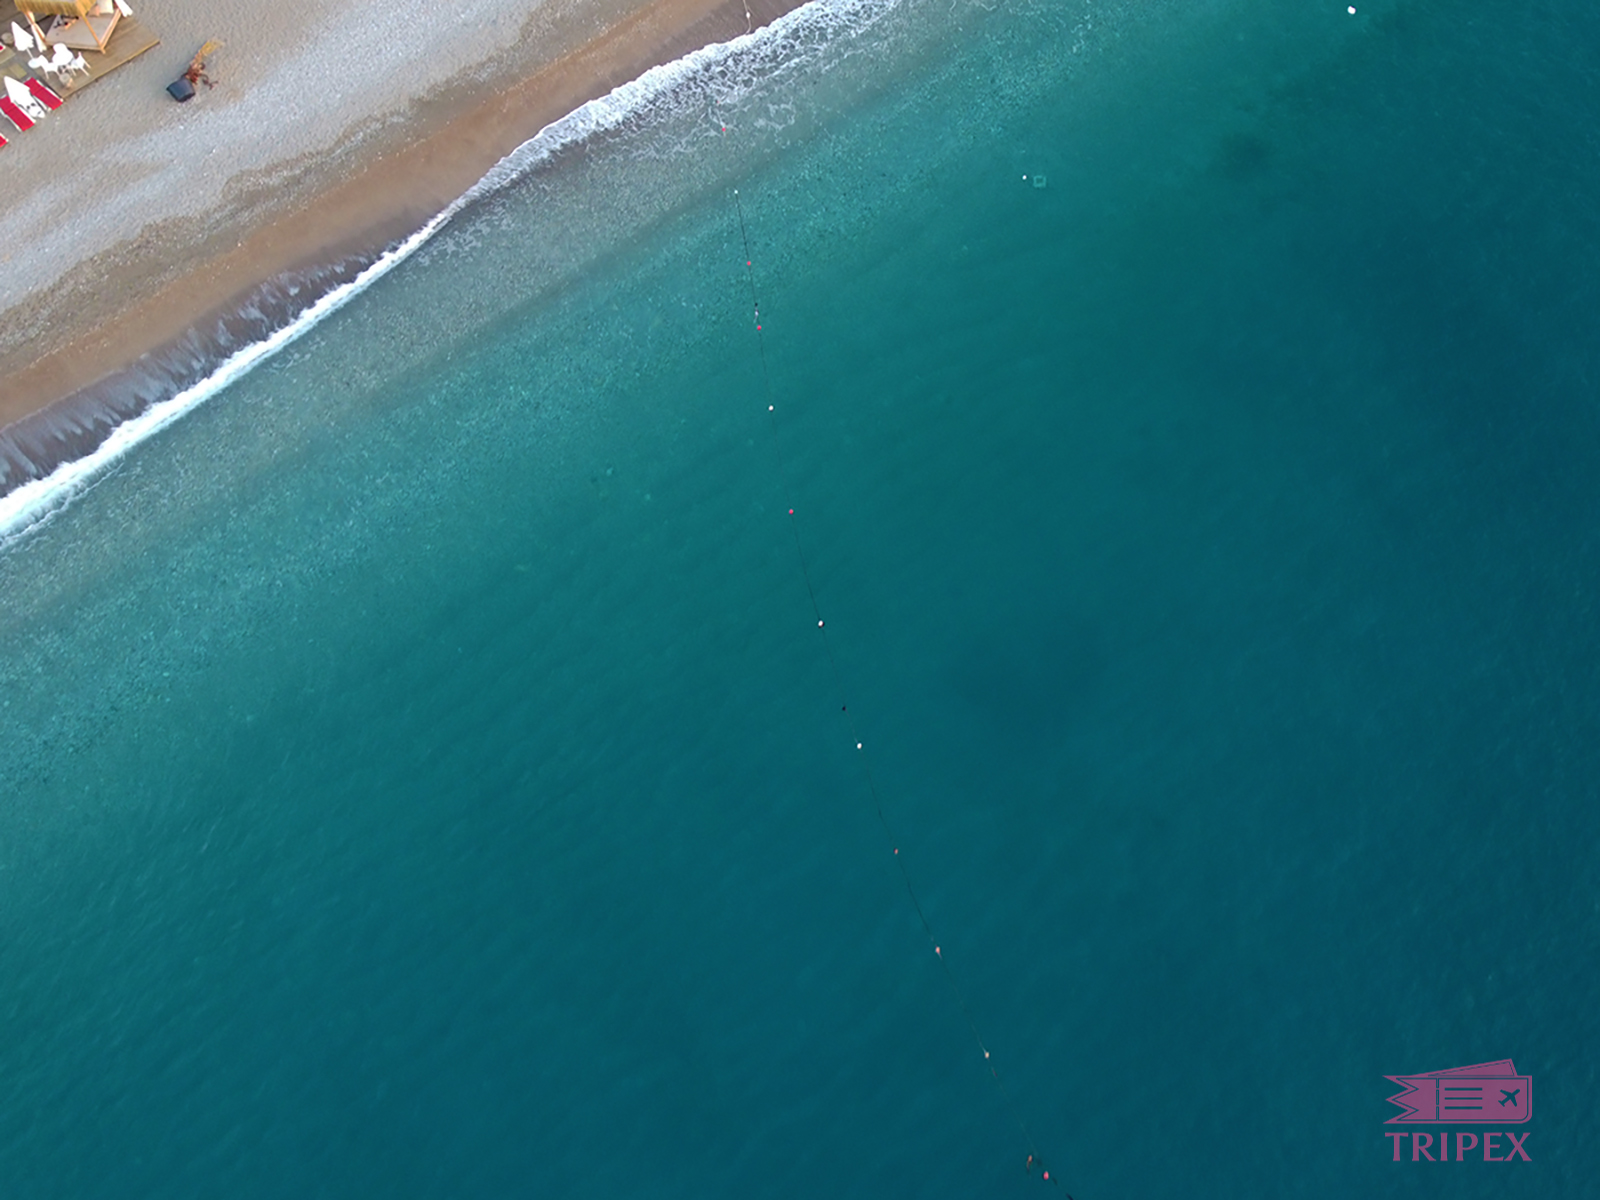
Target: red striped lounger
[42,92]
[15,115]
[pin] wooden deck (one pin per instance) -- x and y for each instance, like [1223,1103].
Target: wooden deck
[129,39]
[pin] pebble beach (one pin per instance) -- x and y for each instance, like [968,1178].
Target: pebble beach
[327,132]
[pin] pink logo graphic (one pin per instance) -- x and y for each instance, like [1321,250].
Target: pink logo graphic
[1487,1094]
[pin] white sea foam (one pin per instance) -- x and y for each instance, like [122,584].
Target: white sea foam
[719,74]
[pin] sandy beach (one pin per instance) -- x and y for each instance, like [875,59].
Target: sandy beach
[330,132]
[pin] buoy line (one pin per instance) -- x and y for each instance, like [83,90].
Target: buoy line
[1034,1158]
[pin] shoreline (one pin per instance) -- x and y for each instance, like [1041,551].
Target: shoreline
[393,191]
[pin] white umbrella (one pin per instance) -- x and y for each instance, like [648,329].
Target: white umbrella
[20,36]
[24,99]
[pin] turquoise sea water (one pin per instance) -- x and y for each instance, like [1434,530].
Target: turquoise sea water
[423,775]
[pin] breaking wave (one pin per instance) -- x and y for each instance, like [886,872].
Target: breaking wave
[52,456]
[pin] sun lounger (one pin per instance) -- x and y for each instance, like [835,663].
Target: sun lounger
[43,94]
[15,115]
[87,33]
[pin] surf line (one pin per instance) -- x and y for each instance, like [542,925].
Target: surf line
[863,761]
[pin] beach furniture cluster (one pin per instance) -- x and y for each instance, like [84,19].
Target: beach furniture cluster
[26,103]
[48,48]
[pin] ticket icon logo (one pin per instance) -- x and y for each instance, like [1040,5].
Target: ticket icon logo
[1487,1094]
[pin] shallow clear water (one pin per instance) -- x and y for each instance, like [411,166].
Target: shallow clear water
[424,776]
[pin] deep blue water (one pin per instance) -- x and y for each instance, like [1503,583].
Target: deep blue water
[423,775]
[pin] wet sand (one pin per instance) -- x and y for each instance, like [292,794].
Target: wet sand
[384,178]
